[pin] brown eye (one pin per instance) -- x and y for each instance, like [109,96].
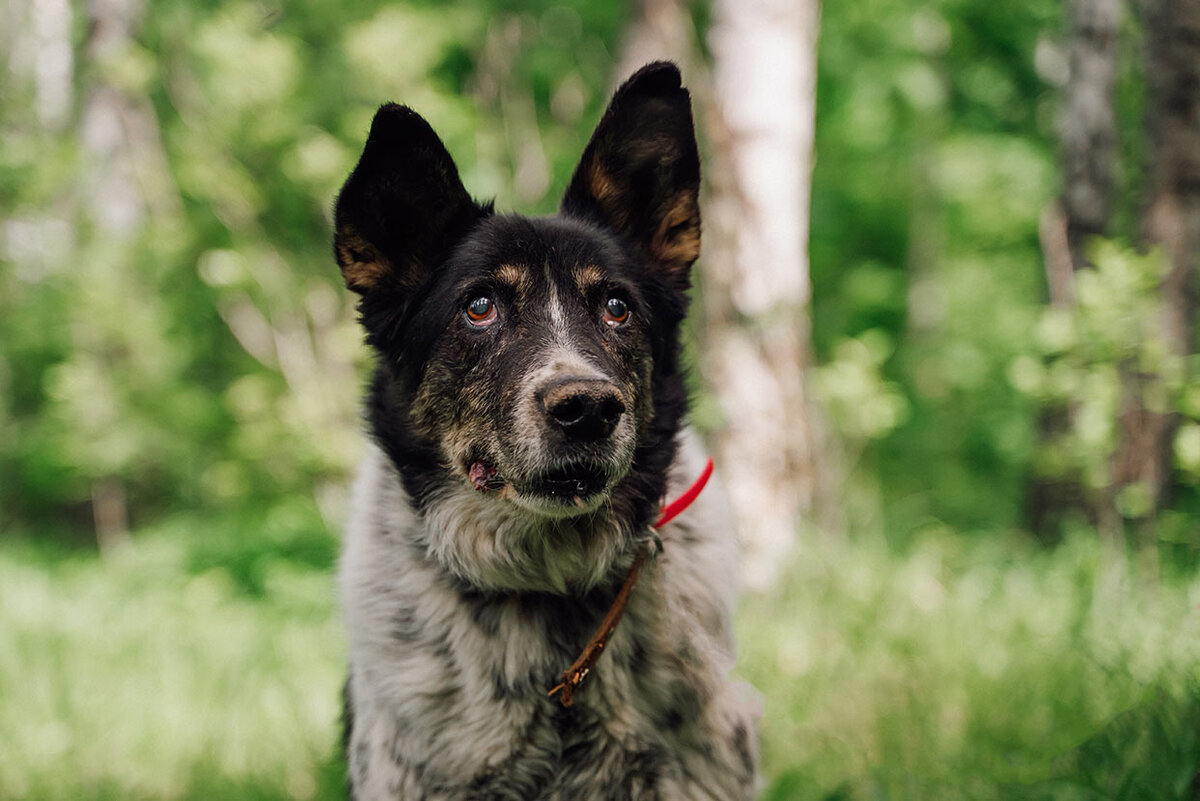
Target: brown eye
[481,311]
[615,311]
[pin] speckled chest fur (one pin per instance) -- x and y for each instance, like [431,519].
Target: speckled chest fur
[526,418]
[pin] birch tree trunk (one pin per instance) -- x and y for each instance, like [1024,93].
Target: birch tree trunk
[658,30]
[1089,128]
[757,341]
[125,183]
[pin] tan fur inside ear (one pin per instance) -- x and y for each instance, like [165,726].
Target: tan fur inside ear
[601,187]
[363,266]
[600,183]
[676,243]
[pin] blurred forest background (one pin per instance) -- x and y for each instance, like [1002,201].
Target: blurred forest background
[993,589]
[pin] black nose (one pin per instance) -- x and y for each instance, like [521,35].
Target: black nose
[584,409]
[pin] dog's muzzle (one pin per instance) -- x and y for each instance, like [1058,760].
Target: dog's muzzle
[573,441]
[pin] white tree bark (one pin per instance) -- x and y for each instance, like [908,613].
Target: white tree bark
[35,47]
[658,30]
[756,272]
[125,183]
[1089,123]
[35,44]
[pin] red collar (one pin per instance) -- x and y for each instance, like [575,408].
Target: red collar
[677,506]
[573,676]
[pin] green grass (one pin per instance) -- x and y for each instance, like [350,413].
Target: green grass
[205,663]
[155,675]
[986,669]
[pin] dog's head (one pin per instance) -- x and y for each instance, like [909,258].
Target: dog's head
[528,373]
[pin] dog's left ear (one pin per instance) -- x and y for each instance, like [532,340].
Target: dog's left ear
[640,173]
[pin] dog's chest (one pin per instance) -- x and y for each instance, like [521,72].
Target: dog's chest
[447,697]
[464,713]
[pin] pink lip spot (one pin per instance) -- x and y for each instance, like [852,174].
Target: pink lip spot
[479,475]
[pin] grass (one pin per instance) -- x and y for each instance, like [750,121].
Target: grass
[205,662]
[155,675]
[987,669]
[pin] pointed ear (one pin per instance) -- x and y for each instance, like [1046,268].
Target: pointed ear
[640,173]
[402,209]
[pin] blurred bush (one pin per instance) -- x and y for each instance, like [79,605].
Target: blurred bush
[935,155]
[200,353]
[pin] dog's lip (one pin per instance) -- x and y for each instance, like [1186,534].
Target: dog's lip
[483,475]
[568,482]
[571,480]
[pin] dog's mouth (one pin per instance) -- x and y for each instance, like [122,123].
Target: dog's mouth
[577,484]
[570,481]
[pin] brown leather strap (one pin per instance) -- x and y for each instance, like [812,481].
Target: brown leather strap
[574,675]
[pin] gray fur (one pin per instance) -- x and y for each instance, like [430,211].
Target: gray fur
[459,622]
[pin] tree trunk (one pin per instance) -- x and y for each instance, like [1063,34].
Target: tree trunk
[757,341]
[658,30]
[1089,141]
[1089,126]
[1146,425]
[126,181]
[1172,222]
[35,43]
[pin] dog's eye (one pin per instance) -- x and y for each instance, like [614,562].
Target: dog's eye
[481,311]
[615,311]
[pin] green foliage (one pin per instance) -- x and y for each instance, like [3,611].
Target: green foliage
[862,403]
[206,355]
[1114,326]
[1098,357]
[934,159]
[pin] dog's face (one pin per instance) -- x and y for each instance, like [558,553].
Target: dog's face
[528,368]
[540,376]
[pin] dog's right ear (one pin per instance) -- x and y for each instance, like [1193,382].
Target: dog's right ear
[402,209]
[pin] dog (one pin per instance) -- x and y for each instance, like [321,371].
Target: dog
[526,425]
